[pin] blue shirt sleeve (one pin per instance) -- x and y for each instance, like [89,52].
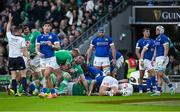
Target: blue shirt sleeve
[38,39]
[110,40]
[164,40]
[93,42]
[138,44]
[55,39]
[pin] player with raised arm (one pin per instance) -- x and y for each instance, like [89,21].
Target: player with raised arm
[17,49]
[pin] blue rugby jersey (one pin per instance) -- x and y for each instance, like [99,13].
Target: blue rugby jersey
[159,42]
[150,46]
[102,46]
[95,72]
[140,44]
[99,80]
[43,39]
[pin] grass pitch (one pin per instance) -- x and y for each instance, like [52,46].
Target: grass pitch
[137,102]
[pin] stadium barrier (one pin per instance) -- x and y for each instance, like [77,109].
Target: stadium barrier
[4,82]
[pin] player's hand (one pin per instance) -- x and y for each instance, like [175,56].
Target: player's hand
[114,74]
[10,17]
[113,62]
[71,70]
[87,62]
[40,55]
[49,43]
[142,63]
[161,62]
[153,63]
[164,60]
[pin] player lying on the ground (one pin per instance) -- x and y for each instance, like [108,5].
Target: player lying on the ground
[108,86]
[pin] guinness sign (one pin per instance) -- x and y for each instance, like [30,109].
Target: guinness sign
[156,14]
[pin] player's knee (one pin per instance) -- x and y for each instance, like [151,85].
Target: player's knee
[159,82]
[160,74]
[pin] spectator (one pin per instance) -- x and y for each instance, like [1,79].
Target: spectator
[65,42]
[3,59]
[71,38]
[79,14]
[39,11]
[90,6]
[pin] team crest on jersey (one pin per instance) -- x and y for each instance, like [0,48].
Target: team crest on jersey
[106,39]
[50,37]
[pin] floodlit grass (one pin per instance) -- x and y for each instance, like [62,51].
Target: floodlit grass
[136,102]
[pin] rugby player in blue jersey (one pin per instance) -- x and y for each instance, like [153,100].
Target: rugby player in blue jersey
[105,83]
[147,63]
[102,44]
[161,59]
[93,72]
[139,46]
[108,86]
[46,44]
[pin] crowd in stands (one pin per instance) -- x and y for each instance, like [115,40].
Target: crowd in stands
[69,18]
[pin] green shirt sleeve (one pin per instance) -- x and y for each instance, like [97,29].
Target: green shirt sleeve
[69,59]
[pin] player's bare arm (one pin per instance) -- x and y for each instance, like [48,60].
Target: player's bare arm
[89,54]
[91,87]
[113,53]
[166,50]
[38,50]
[9,23]
[137,53]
